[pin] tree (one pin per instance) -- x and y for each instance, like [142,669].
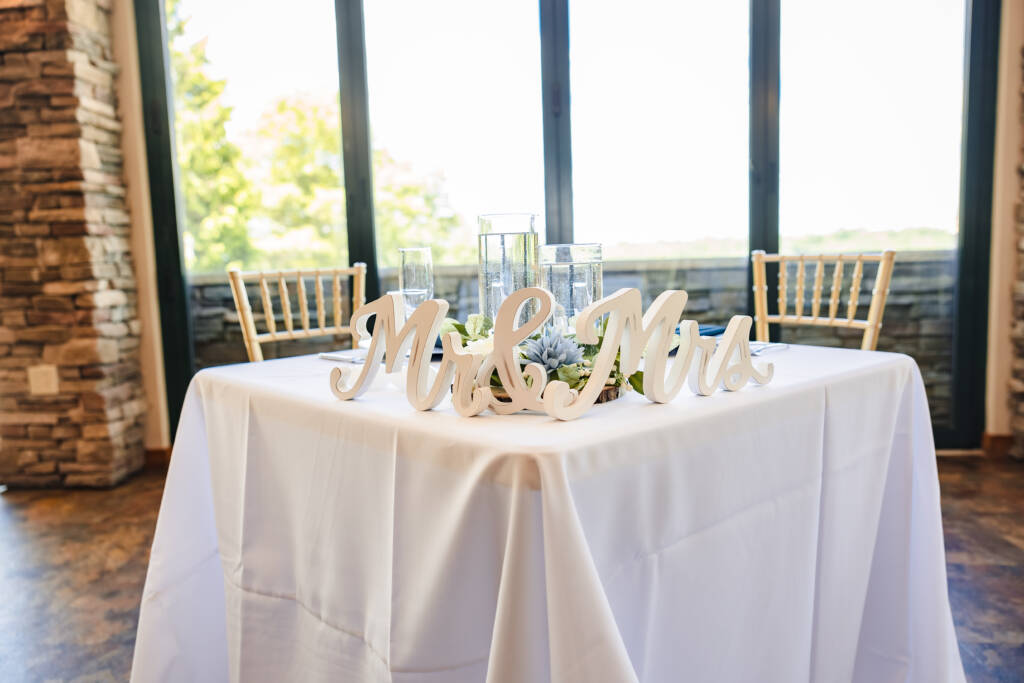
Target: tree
[302,186]
[219,199]
[300,177]
[409,210]
[276,198]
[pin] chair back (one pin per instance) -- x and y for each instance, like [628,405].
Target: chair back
[321,325]
[827,313]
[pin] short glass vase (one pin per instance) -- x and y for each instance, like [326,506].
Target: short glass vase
[508,249]
[573,274]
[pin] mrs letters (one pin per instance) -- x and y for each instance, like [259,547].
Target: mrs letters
[630,333]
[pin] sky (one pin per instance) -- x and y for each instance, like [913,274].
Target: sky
[870,105]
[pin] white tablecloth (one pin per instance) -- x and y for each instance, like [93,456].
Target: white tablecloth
[789,532]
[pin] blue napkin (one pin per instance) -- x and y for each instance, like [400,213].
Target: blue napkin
[709,330]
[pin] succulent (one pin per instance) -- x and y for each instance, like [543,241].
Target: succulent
[551,350]
[556,350]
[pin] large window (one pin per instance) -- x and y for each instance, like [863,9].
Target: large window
[455,119]
[678,135]
[870,136]
[870,125]
[258,134]
[659,127]
[659,102]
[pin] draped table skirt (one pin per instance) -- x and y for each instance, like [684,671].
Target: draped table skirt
[783,532]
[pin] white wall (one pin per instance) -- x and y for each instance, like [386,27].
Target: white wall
[1006,191]
[133,144]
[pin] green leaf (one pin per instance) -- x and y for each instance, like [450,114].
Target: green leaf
[449,325]
[636,380]
[478,325]
[570,374]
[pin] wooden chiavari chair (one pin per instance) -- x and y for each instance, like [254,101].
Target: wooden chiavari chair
[831,315]
[309,327]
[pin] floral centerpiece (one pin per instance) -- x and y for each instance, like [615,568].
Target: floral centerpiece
[555,349]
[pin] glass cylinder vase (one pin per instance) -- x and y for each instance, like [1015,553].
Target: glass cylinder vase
[415,276]
[572,273]
[508,252]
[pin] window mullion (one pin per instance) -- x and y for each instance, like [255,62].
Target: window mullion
[357,155]
[764,139]
[976,182]
[165,203]
[554,50]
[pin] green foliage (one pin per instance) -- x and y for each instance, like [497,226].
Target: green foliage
[409,211]
[573,375]
[453,325]
[576,375]
[616,376]
[478,326]
[276,198]
[301,181]
[636,380]
[218,198]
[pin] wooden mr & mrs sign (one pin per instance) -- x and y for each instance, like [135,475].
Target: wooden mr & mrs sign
[630,331]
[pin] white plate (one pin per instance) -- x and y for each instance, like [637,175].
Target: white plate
[355,356]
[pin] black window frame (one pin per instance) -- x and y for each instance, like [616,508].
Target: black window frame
[971,296]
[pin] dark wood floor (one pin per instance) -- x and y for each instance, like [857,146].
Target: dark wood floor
[72,565]
[983,517]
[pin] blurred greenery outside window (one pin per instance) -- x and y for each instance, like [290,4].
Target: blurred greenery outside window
[273,196]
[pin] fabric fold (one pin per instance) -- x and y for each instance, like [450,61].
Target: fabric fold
[784,532]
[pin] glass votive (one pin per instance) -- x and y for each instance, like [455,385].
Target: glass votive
[508,259]
[415,276]
[572,273]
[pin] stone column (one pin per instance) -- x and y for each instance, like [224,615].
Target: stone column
[71,402]
[1017,380]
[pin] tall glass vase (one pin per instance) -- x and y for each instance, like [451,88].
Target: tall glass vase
[508,247]
[572,273]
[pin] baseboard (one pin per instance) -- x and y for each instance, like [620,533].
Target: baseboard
[996,445]
[158,457]
[960,453]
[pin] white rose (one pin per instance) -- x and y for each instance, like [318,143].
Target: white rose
[481,347]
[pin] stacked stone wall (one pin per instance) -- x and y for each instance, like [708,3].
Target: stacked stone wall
[71,401]
[1017,333]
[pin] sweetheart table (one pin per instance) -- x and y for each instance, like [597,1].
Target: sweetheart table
[784,532]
